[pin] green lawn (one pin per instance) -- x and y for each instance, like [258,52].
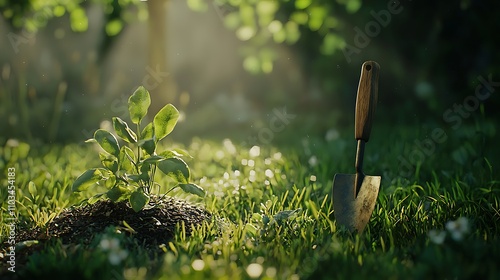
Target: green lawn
[273,213]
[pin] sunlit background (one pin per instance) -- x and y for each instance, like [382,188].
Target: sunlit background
[229,66]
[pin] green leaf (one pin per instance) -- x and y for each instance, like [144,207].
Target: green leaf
[133,178]
[87,179]
[126,159]
[95,198]
[251,229]
[284,215]
[193,189]
[182,152]
[109,162]
[117,193]
[128,227]
[138,200]
[123,131]
[110,181]
[23,149]
[32,189]
[148,145]
[177,152]
[138,104]
[144,176]
[148,131]
[25,244]
[165,121]
[153,159]
[176,168]
[107,141]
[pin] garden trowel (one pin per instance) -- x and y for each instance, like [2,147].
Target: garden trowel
[354,195]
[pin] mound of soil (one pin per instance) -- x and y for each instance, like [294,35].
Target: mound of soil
[153,225]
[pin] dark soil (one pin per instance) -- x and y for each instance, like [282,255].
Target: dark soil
[155,224]
[152,226]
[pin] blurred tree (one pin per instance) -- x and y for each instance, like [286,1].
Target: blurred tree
[431,53]
[28,16]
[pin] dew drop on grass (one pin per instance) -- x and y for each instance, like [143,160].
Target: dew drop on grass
[244,161]
[226,175]
[267,161]
[251,163]
[277,156]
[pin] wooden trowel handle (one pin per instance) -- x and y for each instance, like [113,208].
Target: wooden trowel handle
[366,100]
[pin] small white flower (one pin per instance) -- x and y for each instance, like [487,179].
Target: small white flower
[459,228]
[437,236]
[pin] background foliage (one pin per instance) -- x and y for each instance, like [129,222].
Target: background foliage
[427,58]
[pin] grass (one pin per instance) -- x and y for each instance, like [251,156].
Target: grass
[273,213]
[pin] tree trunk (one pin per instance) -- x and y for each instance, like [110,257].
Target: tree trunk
[158,79]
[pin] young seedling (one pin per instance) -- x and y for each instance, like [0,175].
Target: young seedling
[128,171]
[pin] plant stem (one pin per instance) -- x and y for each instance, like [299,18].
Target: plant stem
[152,177]
[171,189]
[139,154]
[139,138]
